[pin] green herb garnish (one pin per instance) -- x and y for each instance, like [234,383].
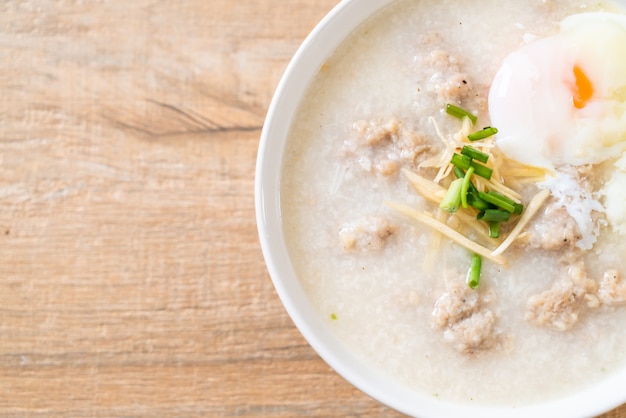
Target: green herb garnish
[473,275]
[452,199]
[476,202]
[494,229]
[461,161]
[465,186]
[457,112]
[464,162]
[475,154]
[482,134]
[501,201]
[481,170]
[494,215]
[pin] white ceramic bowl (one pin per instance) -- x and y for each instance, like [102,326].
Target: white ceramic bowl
[315,50]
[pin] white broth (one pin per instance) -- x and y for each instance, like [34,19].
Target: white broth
[369,270]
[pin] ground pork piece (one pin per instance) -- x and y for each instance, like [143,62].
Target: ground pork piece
[446,79]
[440,59]
[472,333]
[386,167]
[552,229]
[560,306]
[384,146]
[429,39]
[366,233]
[373,133]
[465,325]
[454,88]
[458,303]
[612,290]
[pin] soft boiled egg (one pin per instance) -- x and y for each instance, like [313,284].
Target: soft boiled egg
[562,99]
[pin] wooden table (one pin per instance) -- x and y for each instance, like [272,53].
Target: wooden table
[131,279]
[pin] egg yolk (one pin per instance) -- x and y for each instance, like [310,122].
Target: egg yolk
[583,90]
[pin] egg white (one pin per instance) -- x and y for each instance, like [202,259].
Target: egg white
[531,97]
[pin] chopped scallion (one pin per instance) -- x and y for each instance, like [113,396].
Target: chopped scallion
[494,215]
[476,202]
[481,170]
[475,154]
[458,173]
[457,112]
[464,162]
[482,134]
[465,186]
[519,208]
[461,161]
[472,189]
[494,229]
[452,199]
[473,275]
[499,200]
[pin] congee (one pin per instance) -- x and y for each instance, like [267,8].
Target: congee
[454,196]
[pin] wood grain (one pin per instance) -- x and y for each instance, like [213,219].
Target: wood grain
[131,279]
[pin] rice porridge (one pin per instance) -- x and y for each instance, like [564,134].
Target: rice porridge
[367,167]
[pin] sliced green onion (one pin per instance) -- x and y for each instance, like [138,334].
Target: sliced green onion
[481,170]
[482,134]
[473,275]
[452,199]
[519,208]
[494,229]
[457,112]
[461,161]
[475,154]
[472,189]
[476,202]
[465,186]
[464,162]
[499,200]
[469,191]
[494,215]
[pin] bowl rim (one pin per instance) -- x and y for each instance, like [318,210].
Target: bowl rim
[327,35]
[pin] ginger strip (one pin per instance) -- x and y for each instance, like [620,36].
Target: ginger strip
[531,210]
[427,188]
[428,220]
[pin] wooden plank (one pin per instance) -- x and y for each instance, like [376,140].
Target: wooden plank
[131,279]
